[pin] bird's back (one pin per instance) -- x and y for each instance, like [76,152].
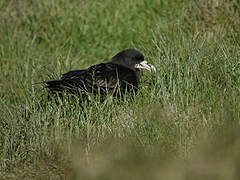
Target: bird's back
[107,77]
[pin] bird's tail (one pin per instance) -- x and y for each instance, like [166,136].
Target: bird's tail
[53,85]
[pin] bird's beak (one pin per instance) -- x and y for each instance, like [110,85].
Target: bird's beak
[145,65]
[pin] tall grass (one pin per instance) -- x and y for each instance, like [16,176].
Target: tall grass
[182,124]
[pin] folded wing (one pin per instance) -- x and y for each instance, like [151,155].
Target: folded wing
[103,76]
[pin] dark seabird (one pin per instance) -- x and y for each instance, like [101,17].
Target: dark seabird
[122,74]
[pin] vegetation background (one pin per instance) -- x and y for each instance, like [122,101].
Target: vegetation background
[183,123]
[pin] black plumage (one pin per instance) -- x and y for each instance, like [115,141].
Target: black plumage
[122,74]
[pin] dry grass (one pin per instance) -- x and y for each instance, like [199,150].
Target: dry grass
[214,16]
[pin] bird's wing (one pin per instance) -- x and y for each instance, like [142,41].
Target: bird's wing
[112,76]
[73,74]
[103,75]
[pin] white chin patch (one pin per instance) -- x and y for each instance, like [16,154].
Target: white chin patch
[145,65]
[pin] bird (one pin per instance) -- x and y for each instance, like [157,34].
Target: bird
[121,75]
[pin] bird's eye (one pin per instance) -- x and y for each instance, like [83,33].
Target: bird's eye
[139,58]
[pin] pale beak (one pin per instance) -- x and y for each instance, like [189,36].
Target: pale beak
[145,65]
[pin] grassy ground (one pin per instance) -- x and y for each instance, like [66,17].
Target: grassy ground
[183,123]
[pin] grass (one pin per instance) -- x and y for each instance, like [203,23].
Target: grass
[182,124]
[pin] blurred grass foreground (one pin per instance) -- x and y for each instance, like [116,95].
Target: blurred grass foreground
[182,124]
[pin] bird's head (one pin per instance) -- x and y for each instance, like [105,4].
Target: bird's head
[132,59]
